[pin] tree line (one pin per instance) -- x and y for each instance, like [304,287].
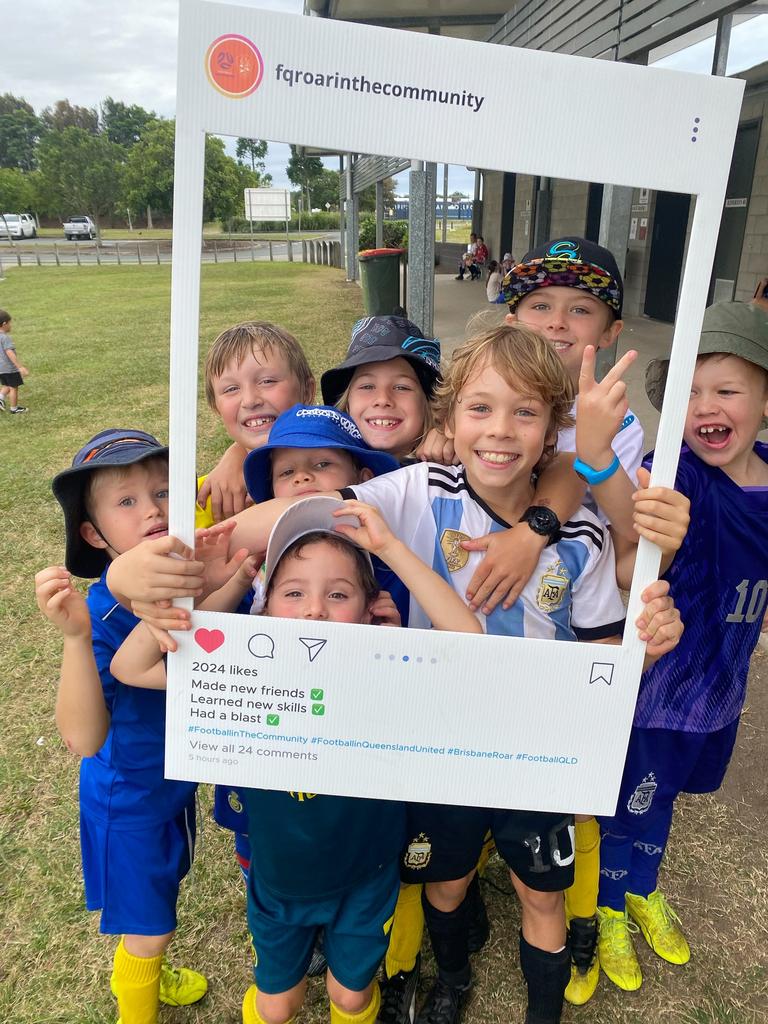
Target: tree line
[116,162]
[112,162]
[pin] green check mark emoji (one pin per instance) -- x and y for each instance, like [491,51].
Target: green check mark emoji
[273,719]
[318,709]
[316,694]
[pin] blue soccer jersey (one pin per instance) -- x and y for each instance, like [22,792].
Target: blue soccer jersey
[719,580]
[572,594]
[123,785]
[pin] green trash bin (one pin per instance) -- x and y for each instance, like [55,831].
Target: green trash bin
[380,273]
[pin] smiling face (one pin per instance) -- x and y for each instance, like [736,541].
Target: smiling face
[127,506]
[569,318]
[250,395]
[729,398]
[388,404]
[299,472]
[499,434]
[319,582]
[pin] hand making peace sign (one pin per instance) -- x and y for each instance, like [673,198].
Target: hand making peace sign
[601,409]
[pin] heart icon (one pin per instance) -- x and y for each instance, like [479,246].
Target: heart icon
[209,639]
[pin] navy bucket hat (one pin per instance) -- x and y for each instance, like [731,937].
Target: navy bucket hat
[113,447]
[377,339]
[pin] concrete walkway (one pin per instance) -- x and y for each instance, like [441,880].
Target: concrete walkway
[457,302]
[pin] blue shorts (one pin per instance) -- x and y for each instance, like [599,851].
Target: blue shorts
[356,928]
[662,763]
[133,877]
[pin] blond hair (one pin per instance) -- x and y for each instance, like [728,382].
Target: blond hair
[527,363]
[254,337]
[429,414]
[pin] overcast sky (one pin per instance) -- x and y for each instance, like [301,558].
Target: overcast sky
[85,50]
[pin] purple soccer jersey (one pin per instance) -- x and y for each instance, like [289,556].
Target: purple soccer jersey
[719,581]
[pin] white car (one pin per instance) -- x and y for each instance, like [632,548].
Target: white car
[79,227]
[17,225]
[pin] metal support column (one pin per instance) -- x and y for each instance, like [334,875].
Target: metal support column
[543,212]
[477,206]
[379,214]
[445,204]
[722,45]
[421,245]
[352,229]
[342,217]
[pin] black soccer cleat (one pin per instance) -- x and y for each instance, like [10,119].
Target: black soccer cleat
[398,996]
[443,1005]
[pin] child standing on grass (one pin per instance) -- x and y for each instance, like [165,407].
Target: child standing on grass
[331,862]
[689,705]
[12,373]
[137,829]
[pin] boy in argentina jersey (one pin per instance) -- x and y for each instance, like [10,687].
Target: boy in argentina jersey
[689,705]
[505,396]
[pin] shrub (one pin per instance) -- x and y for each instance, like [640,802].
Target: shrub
[395,233]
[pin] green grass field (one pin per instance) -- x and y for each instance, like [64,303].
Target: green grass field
[96,342]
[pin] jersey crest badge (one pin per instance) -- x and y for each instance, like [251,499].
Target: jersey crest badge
[234,801]
[641,799]
[419,852]
[301,797]
[455,555]
[553,587]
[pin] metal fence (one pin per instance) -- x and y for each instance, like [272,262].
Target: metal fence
[318,251]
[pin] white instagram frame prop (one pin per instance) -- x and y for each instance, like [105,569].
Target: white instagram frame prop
[493,721]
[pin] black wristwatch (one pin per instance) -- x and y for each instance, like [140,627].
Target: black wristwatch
[541,520]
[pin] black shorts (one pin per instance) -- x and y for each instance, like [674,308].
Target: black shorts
[11,380]
[446,842]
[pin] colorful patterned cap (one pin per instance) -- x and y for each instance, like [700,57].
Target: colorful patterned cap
[567,263]
[377,339]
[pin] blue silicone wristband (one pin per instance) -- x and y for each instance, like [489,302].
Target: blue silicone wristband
[596,476]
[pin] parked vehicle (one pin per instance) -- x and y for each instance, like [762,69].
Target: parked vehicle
[79,227]
[17,225]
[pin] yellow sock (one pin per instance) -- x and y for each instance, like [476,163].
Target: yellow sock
[251,1014]
[136,983]
[366,1016]
[581,898]
[407,931]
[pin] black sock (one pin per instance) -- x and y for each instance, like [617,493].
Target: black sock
[448,933]
[546,975]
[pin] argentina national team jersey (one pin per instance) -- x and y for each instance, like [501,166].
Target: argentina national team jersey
[719,582]
[572,594]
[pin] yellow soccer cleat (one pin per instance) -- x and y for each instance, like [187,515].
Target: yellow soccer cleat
[660,926]
[615,950]
[179,986]
[585,966]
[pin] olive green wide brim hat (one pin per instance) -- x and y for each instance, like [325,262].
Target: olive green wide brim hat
[731,328]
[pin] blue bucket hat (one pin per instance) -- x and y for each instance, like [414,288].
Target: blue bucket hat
[311,426]
[377,339]
[113,447]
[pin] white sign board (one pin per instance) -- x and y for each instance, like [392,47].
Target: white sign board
[267,204]
[360,89]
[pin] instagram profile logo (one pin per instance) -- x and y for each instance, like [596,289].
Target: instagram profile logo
[234,66]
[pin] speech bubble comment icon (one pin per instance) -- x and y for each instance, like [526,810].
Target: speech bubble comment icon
[261,646]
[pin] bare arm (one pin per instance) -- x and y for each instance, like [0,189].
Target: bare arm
[440,602]
[512,555]
[225,485]
[139,660]
[82,717]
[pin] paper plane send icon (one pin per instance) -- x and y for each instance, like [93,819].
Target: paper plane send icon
[313,645]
